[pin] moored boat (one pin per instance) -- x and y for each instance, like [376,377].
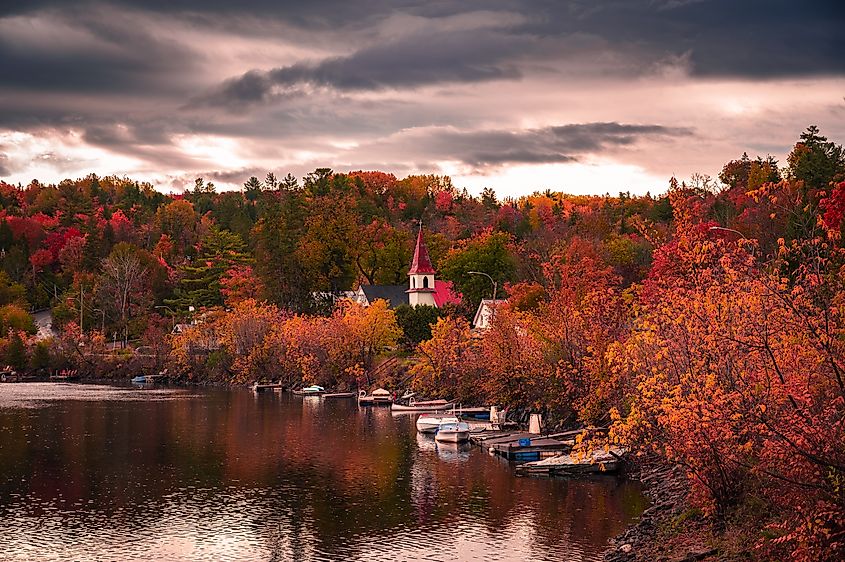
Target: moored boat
[428,423]
[140,379]
[313,390]
[452,432]
[9,375]
[426,406]
[340,395]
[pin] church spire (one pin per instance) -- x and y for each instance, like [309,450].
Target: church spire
[421,264]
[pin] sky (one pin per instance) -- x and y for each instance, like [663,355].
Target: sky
[584,96]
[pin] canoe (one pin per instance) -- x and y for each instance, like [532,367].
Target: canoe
[431,406]
[340,395]
[452,432]
[428,423]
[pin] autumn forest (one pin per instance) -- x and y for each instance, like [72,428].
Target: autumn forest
[704,326]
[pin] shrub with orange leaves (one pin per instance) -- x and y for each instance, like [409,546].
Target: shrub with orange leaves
[449,362]
[739,374]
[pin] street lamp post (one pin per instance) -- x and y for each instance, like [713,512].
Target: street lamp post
[487,275]
[172,315]
[495,286]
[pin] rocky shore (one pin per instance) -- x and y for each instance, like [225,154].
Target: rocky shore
[669,530]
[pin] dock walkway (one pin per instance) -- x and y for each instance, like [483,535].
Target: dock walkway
[518,445]
[597,461]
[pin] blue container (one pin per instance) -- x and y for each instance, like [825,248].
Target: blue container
[525,442]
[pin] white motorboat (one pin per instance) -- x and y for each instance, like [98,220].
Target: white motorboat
[428,423]
[313,390]
[452,432]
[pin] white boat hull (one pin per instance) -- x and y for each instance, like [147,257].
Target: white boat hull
[451,436]
[429,424]
[451,432]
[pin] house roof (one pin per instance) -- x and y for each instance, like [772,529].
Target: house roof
[484,304]
[395,295]
[444,293]
[421,264]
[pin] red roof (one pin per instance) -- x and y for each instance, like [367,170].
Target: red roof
[421,265]
[445,294]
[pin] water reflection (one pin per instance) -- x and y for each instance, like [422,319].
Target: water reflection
[91,472]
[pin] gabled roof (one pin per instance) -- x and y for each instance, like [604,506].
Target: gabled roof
[484,306]
[421,264]
[395,295]
[444,293]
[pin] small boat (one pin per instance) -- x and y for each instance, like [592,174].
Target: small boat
[340,395]
[9,375]
[141,379]
[379,397]
[313,390]
[428,423]
[426,406]
[452,432]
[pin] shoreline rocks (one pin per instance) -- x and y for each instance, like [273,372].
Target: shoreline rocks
[666,487]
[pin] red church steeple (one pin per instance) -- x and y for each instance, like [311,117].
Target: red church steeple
[421,264]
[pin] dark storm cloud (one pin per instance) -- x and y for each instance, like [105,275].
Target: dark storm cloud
[417,60]
[756,38]
[547,145]
[753,38]
[716,38]
[98,53]
[156,79]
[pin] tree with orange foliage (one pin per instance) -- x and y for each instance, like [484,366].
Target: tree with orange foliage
[584,315]
[739,374]
[240,283]
[511,356]
[449,365]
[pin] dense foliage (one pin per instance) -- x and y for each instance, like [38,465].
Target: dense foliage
[704,327]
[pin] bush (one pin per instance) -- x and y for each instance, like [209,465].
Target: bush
[416,323]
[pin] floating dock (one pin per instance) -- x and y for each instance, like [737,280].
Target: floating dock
[515,445]
[596,462]
[261,387]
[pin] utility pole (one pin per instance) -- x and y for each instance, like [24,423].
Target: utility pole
[81,299]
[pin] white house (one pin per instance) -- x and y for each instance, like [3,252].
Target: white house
[484,314]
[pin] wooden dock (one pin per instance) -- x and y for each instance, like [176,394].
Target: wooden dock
[515,445]
[261,387]
[599,461]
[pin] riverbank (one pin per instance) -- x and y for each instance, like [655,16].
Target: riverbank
[671,530]
[655,536]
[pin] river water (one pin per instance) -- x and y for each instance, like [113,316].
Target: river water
[94,472]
